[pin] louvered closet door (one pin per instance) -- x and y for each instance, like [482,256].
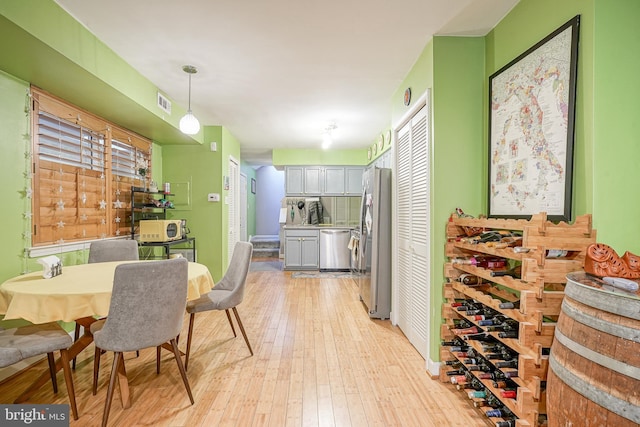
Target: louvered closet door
[412,228]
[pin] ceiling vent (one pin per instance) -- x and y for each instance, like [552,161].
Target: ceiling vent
[164,103]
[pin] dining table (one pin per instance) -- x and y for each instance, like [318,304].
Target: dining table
[80,292]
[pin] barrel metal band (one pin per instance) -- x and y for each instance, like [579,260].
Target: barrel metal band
[618,406]
[621,331]
[600,359]
[605,301]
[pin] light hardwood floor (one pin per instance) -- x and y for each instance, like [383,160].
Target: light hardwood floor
[319,361]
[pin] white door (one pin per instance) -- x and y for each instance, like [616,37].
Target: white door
[243,207]
[233,197]
[412,231]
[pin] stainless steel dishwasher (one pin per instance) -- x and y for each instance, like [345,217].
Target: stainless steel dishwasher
[334,249]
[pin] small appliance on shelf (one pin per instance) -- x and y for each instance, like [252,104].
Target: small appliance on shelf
[160,230]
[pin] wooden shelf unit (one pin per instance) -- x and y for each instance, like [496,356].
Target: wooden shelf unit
[539,290]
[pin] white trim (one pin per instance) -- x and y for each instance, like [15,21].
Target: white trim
[433,367]
[40,251]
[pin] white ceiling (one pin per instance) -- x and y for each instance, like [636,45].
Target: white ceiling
[276,73]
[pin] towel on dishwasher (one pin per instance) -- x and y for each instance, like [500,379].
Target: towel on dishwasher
[353,247]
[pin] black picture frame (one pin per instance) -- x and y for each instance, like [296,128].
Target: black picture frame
[253,186]
[532,129]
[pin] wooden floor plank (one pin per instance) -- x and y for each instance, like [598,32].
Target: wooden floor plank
[319,360]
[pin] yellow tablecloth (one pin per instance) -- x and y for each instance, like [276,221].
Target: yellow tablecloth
[80,291]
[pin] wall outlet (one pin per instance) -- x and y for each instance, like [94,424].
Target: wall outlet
[213,197]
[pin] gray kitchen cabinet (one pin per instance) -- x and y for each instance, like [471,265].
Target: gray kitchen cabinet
[323,180]
[353,181]
[313,180]
[294,184]
[333,181]
[301,249]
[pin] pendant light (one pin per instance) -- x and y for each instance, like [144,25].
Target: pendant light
[327,136]
[188,123]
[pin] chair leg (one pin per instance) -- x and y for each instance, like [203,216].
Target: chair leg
[186,357]
[183,372]
[68,379]
[76,335]
[158,348]
[96,369]
[112,382]
[244,334]
[230,322]
[52,371]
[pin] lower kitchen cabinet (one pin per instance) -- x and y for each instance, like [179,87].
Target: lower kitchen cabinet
[301,249]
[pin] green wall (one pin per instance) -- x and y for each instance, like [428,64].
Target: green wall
[15,141]
[42,44]
[283,157]
[457,148]
[606,154]
[616,150]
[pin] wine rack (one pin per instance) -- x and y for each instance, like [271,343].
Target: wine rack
[536,291]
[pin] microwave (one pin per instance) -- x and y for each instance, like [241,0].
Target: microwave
[160,230]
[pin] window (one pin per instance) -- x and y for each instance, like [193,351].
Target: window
[83,170]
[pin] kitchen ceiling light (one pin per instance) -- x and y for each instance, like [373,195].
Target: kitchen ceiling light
[327,137]
[188,123]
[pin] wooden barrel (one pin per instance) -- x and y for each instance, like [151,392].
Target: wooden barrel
[594,365]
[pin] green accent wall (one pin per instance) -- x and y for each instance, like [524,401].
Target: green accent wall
[15,140]
[457,150]
[43,45]
[284,157]
[616,128]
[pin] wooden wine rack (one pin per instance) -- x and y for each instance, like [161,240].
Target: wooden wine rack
[539,290]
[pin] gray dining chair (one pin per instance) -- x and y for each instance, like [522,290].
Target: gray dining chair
[27,341]
[106,251]
[225,295]
[146,310]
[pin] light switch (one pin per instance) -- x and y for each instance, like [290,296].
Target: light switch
[213,197]
[214,146]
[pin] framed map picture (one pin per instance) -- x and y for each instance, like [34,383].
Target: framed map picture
[531,129]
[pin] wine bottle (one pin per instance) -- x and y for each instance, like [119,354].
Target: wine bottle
[513,272]
[560,253]
[466,331]
[509,394]
[482,336]
[482,367]
[506,423]
[455,372]
[477,394]
[501,412]
[506,325]
[482,262]
[513,363]
[452,363]
[457,379]
[509,305]
[469,279]
[455,341]
[508,334]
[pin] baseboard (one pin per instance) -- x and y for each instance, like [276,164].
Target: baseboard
[433,368]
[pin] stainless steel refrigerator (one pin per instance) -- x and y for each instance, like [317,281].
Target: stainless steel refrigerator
[375,242]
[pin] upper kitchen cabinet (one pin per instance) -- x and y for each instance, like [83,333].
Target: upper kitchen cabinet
[313,176]
[353,181]
[323,180]
[333,181]
[294,180]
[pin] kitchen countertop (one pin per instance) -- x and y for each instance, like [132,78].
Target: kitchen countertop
[317,227]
